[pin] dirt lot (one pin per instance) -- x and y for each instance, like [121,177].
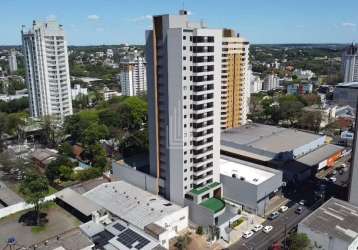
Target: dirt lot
[59,221]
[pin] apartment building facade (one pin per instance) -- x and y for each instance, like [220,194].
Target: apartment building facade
[350,64]
[133,75]
[235,83]
[184,93]
[47,71]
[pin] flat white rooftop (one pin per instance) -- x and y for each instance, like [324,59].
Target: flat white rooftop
[130,203]
[251,174]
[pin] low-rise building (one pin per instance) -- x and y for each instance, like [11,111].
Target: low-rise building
[346,94]
[296,153]
[251,186]
[145,211]
[78,91]
[332,226]
[299,89]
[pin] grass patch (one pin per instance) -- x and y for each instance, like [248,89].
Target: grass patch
[237,223]
[38,229]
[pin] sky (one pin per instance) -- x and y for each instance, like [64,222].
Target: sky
[96,22]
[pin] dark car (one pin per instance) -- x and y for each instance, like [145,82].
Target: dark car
[273,215]
[299,210]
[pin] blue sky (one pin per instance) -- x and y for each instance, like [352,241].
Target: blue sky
[117,21]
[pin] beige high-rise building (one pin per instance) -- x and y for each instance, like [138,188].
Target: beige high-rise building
[235,84]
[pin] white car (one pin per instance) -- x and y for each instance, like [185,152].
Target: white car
[257,227]
[333,179]
[283,209]
[267,229]
[247,234]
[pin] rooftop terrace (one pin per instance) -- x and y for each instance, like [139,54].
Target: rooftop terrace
[213,204]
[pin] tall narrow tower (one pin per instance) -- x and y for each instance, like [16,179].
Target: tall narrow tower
[350,64]
[133,75]
[12,61]
[235,88]
[353,184]
[47,72]
[184,88]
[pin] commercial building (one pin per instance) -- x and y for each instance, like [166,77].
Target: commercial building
[235,83]
[145,211]
[249,185]
[353,183]
[332,226]
[47,72]
[12,61]
[346,94]
[350,64]
[133,75]
[296,153]
[184,94]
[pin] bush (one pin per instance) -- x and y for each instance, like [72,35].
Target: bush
[88,174]
[200,230]
[236,223]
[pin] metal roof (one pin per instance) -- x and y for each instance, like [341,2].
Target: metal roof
[336,218]
[320,154]
[131,203]
[78,201]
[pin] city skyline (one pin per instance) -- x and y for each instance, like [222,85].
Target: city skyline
[115,22]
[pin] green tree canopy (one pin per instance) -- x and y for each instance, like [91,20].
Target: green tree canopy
[299,241]
[35,188]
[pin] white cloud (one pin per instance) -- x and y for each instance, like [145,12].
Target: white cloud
[349,25]
[141,18]
[93,17]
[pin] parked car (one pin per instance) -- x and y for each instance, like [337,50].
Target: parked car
[283,209]
[273,215]
[299,210]
[302,202]
[267,229]
[333,179]
[257,228]
[341,171]
[247,234]
[343,165]
[334,172]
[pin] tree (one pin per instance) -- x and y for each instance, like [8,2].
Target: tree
[35,188]
[183,242]
[53,169]
[66,149]
[94,133]
[3,124]
[299,241]
[66,173]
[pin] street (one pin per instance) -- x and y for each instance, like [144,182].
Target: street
[284,223]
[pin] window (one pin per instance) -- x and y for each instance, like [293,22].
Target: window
[184,78]
[185,152]
[184,47]
[184,58]
[184,37]
[184,68]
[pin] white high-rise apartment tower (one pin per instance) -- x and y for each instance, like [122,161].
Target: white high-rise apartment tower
[47,72]
[353,180]
[133,75]
[184,88]
[12,61]
[350,64]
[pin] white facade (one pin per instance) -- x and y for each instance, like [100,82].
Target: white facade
[350,64]
[78,91]
[303,74]
[255,83]
[133,75]
[271,82]
[12,61]
[47,72]
[184,84]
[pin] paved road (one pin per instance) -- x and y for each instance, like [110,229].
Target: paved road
[261,240]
